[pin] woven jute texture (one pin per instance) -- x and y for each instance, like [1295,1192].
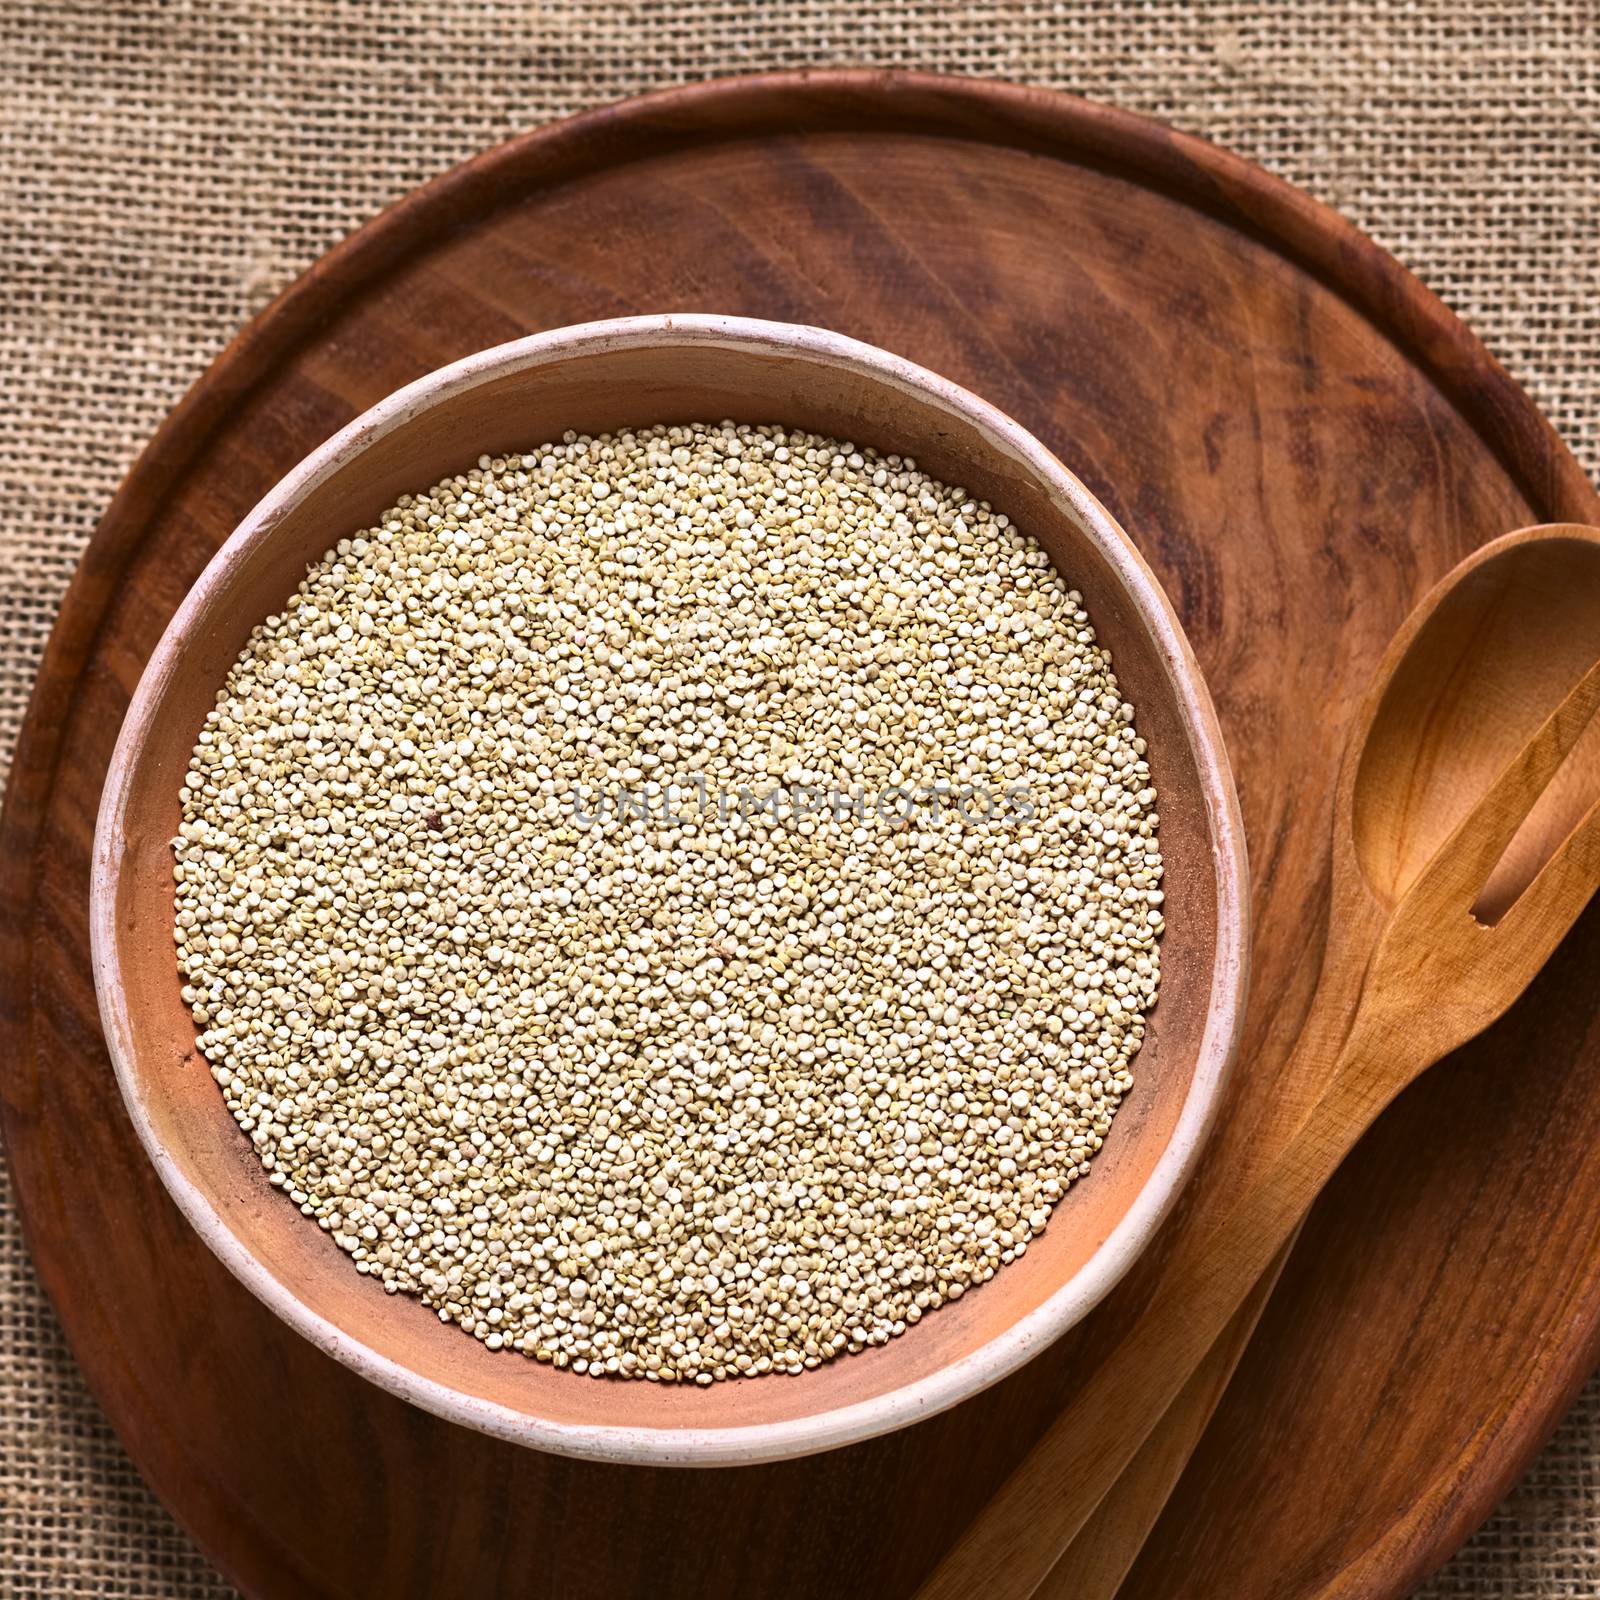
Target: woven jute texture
[164,169]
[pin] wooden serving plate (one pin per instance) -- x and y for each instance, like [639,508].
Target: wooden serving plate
[1299,438]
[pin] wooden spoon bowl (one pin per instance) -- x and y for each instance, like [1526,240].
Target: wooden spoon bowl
[602,377]
[1481,676]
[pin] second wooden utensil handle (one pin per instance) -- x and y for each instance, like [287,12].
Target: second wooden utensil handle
[1093,1566]
[1016,1539]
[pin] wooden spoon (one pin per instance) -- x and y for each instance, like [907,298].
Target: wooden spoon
[1447,897]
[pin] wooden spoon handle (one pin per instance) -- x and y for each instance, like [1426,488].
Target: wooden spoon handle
[1015,1540]
[1095,1563]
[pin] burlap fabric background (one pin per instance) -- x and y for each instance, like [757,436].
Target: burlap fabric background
[164,169]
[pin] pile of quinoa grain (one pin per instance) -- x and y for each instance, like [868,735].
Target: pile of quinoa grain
[572,922]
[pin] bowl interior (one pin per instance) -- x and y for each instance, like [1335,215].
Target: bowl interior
[512,407]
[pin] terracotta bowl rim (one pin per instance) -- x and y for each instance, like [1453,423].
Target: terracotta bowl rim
[858,1420]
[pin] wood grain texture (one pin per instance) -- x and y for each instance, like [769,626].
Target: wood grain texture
[1299,438]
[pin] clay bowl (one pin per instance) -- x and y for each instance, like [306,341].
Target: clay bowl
[594,378]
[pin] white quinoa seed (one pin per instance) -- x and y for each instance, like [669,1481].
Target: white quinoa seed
[682,1101]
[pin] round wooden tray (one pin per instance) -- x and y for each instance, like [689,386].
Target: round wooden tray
[1299,437]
